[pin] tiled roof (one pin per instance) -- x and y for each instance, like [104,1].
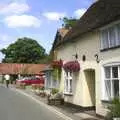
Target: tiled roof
[98,14]
[48,68]
[21,68]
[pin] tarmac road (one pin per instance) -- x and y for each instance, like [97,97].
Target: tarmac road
[14,106]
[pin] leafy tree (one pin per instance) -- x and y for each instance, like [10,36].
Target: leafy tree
[24,50]
[46,59]
[69,22]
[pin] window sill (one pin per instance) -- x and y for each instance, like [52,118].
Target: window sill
[106,101]
[106,49]
[67,93]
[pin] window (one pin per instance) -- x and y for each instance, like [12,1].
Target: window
[110,37]
[111,82]
[118,29]
[68,82]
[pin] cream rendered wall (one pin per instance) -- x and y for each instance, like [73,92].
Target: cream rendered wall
[86,45]
[61,89]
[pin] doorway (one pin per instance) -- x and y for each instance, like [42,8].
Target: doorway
[90,81]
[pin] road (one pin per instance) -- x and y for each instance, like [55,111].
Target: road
[14,106]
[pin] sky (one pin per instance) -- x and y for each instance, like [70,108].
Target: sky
[37,19]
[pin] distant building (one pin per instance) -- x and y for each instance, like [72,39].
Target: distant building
[15,69]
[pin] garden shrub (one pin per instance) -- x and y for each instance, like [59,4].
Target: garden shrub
[54,91]
[114,109]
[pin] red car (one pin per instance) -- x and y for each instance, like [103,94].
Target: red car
[32,80]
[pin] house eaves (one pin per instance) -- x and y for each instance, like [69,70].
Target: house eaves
[98,14]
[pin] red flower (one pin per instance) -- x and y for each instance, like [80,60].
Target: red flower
[72,66]
[57,64]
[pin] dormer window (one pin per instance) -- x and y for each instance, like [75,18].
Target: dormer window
[110,37]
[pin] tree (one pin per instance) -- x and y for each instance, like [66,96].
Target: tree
[69,22]
[46,59]
[24,50]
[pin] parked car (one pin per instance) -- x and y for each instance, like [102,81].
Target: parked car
[31,80]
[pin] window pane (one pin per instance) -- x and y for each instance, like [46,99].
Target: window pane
[107,72]
[71,85]
[108,88]
[54,83]
[67,74]
[66,87]
[118,29]
[112,37]
[70,74]
[105,43]
[114,72]
[115,85]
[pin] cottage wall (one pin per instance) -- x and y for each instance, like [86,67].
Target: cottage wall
[88,45]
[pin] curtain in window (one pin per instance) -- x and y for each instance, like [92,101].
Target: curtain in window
[111,82]
[105,43]
[118,30]
[107,89]
[112,36]
[115,85]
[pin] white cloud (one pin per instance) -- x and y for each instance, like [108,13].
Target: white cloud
[78,13]
[14,8]
[22,21]
[54,15]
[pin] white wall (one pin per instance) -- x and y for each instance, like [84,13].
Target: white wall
[88,45]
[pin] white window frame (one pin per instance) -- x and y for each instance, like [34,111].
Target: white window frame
[104,96]
[107,28]
[68,83]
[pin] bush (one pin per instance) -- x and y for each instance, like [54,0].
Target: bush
[54,91]
[114,109]
[37,87]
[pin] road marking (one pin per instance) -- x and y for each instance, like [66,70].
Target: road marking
[43,104]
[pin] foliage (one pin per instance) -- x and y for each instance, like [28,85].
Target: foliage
[56,73]
[69,22]
[24,50]
[54,91]
[114,109]
[47,59]
[57,64]
[37,86]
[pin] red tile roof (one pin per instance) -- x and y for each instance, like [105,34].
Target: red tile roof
[14,68]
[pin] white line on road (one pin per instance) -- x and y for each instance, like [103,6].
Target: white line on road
[43,104]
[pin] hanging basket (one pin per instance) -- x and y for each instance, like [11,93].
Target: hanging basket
[57,64]
[72,66]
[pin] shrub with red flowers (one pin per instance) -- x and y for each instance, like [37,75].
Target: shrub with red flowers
[57,64]
[72,66]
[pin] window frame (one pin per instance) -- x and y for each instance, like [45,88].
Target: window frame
[104,93]
[68,89]
[106,29]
